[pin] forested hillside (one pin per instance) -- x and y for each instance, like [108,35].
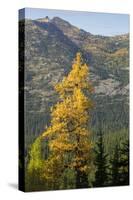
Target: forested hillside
[50,47]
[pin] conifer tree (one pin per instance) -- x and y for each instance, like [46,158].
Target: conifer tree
[115,165]
[68,134]
[120,165]
[101,174]
[124,164]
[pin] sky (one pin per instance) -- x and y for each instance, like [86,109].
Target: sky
[106,24]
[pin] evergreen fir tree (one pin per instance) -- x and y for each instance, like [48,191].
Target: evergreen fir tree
[124,164]
[101,174]
[120,165]
[115,166]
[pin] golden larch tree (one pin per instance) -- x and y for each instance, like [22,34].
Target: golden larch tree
[68,134]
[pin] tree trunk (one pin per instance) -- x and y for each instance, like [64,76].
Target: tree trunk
[81,180]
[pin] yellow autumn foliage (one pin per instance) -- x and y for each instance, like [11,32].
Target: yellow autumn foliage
[76,78]
[68,133]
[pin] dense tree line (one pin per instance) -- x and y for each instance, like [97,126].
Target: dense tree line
[111,169]
[108,169]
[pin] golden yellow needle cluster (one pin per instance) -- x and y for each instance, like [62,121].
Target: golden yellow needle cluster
[68,134]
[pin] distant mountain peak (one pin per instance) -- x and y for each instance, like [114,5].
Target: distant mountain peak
[61,22]
[59,19]
[46,19]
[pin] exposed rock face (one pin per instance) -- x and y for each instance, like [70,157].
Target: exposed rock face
[50,46]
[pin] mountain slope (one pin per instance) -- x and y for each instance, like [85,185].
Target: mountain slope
[50,46]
